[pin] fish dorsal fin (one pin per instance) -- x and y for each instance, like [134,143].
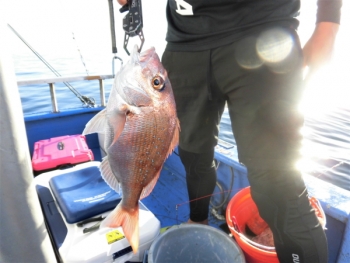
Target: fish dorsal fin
[148,188]
[135,55]
[175,140]
[108,175]
[96,124]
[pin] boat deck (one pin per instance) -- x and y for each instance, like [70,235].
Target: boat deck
[169,200]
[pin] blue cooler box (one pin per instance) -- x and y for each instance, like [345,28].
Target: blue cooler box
[82,194]
[71,196]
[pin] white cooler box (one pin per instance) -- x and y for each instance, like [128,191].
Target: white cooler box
[71,196]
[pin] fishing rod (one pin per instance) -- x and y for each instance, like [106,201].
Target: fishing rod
[90,102]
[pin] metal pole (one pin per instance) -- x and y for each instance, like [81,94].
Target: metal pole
[53,98]
[111,19]
[24,237]
[102,93]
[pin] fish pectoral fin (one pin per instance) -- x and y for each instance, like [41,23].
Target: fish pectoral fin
[128,220]
[96,124]
[148,188]
[117,122]
[175,140]
[108,175]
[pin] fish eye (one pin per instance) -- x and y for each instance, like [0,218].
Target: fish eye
[158,83]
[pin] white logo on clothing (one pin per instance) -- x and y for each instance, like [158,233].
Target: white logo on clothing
[295,258]
[183,8]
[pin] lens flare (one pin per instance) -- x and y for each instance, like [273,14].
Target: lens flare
[274,45]
[246,54]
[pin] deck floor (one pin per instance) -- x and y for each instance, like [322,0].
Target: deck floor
[169,201]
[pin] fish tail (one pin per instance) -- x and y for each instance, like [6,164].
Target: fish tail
[128,220]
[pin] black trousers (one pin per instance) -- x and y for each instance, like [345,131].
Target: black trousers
[260,80]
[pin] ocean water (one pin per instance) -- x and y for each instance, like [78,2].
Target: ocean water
[75,39]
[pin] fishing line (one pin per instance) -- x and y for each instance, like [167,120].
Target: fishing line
[71,22]
[206,196]
[214,210]
[228,195]
[330,169]
[189,201]
[84,99]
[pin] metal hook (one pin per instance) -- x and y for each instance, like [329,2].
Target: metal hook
[113,63]
[133,23]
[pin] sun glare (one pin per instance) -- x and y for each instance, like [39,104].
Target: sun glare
[324,91]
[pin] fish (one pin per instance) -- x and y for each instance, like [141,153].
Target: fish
[262,232]
[265,238]
[141,130]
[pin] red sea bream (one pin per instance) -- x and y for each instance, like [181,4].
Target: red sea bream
[141,129]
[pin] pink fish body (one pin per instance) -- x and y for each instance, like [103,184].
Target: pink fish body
[141,129]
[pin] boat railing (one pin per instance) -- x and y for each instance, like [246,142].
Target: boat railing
[52,81]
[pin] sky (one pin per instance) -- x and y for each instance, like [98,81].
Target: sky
[49,25]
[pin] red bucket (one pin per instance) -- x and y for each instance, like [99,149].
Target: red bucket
[241,209]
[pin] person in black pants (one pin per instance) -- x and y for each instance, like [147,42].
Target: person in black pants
[247,54]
